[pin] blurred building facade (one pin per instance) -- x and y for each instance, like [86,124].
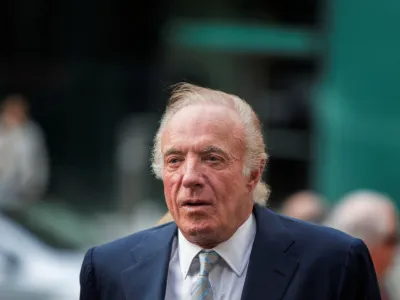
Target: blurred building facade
[88,66]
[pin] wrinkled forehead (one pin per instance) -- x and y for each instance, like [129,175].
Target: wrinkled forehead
[204,126]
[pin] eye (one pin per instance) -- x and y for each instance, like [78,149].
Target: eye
[213,158]
[173,161]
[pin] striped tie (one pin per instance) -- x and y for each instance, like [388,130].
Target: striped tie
[202,289]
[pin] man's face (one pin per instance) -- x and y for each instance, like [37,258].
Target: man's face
[203,153]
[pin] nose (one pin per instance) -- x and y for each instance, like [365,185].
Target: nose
[192,174]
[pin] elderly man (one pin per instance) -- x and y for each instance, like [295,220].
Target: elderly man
[371,217]
[209,153]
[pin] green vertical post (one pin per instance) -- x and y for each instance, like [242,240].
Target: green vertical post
[358,107]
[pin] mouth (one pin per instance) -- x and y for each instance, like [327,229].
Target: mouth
[195,203]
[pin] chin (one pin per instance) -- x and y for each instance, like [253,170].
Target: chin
[199,228]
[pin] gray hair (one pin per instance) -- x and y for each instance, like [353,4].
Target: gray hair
[186,94]
[363,214]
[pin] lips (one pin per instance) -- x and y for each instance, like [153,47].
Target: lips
[195,203]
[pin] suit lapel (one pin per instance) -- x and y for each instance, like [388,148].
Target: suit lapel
[271,268]
[147,277]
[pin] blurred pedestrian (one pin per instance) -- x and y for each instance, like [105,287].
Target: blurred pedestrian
[305,205]
[393,277]
[372,217]
[165,219]
[23,156]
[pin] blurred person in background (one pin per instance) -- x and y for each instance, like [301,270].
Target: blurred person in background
[134,135]
[165,219]
[305,205]
[210,154]
[371,217]
[23,156]
[393,277]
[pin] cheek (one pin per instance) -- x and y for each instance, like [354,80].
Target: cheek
[170,191]
[235,185]
[228,190]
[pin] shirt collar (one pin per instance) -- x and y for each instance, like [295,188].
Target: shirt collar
[235,251]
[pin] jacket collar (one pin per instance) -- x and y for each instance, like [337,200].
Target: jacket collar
[147,277]
[271,267]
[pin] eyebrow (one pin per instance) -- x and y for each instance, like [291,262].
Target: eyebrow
[172,151]
[213,149]
[206,150]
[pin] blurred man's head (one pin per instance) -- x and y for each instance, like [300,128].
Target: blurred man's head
[306,206]
[209,152]
[371,217]
[14,110]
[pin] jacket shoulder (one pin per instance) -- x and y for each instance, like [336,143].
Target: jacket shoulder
[117,255]
[125,244]
[102,265]
[319,239]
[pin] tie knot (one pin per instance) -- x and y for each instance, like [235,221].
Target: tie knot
[208,259]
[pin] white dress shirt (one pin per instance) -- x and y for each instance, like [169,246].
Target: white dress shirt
[228,275]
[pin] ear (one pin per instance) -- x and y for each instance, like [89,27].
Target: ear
[255,175]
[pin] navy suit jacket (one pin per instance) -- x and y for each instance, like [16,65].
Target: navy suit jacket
[290,260]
